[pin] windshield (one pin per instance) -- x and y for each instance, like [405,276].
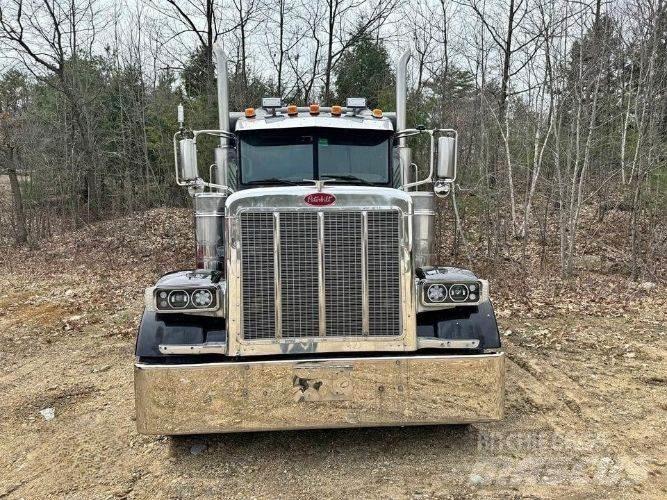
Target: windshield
[292,155]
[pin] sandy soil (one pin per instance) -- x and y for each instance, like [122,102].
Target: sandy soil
[586,412]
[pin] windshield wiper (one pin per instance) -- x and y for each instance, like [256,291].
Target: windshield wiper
[352,178]
[271,180]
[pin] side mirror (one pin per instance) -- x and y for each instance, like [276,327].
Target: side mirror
[188,160]
[447,158]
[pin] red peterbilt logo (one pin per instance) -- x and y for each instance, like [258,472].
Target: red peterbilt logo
[320,199]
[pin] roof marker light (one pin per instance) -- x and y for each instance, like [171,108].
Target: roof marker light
[356,102]
[377,113]
[292,110]
[250,112]
[314,109]
[336,110]
[271,102]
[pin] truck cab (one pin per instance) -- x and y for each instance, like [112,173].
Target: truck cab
[316,299]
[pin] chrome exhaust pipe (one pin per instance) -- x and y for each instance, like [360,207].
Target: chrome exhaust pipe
[221,152]
[210,207]
[402,92]
[405,154]
[223,90]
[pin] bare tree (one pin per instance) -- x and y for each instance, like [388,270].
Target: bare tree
[48,36]
[13,99]
[503,27]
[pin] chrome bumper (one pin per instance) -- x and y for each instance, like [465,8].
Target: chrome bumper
[318,393]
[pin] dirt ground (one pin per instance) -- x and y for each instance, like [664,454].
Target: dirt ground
[586,410]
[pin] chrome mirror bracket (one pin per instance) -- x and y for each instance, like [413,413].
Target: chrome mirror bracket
[442,188]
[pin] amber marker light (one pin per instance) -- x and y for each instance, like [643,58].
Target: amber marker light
[314,109]
[250,112]
[336,110]
[377,113]
[292,110]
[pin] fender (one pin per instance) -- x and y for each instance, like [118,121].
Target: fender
[477,322]
[156,329]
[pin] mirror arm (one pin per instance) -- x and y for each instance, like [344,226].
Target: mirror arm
[408,132]
[428,179]
[215,133]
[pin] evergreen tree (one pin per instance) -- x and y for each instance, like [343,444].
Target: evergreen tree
[365,71]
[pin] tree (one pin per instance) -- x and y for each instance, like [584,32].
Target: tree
[365,71]
[13,99]
[50,38]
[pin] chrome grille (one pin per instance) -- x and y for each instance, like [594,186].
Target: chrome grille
[290,248]
[342,273]
[383,273]
[258,271]
[298,274]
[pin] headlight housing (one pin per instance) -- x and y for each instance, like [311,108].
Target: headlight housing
[448,287]
[183,300]
[451,293]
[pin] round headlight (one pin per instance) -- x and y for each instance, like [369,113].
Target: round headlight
[178,299]
[436,293]
[202,298]
[458,293]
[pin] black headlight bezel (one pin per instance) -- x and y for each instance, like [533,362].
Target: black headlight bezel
[449,300]
[189,306]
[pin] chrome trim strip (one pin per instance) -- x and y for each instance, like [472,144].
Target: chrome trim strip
[204,348]
[320,361]
[427,343]
[365,322]
[277,283]
[364,122]
[322,299]
[292,197]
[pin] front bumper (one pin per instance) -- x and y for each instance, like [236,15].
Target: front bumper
[318,393]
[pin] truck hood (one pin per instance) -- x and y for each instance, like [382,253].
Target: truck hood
[310,198]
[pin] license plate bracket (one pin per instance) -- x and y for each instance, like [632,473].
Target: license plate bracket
[322,383]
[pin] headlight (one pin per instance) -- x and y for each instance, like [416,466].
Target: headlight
[436,293]
[458,292]
[202,298]
[178,299]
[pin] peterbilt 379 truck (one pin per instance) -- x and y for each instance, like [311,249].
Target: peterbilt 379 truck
[317,300]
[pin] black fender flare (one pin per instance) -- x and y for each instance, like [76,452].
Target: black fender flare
[156,329]
[462,323]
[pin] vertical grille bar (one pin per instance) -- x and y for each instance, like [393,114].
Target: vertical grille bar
[364,273]
[321,279]
[276,275]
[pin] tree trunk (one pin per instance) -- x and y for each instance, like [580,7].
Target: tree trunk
[21,232]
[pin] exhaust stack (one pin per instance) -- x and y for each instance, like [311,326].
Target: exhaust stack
[423,205]
[405,154]
[221,153]
[210,207]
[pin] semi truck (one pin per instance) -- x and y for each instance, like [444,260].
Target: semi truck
[316,298]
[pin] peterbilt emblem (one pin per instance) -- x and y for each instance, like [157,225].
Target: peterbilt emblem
[320,199]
